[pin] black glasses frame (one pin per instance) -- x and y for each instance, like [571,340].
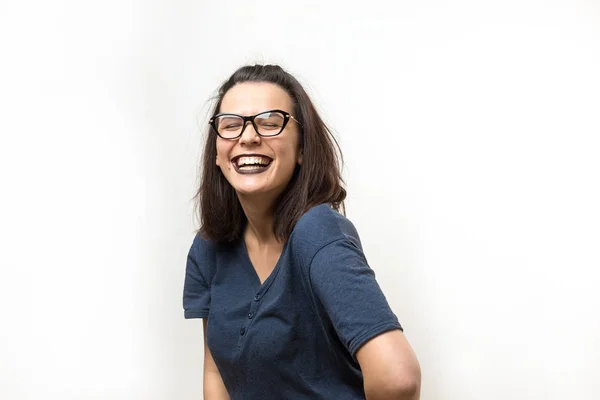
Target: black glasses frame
[286,118]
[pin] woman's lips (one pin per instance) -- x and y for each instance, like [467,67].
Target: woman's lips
[251,169]
[251,163]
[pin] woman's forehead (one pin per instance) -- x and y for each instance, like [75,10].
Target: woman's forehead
[250,98]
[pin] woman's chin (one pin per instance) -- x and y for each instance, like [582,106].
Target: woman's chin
[258,191]
[250,190]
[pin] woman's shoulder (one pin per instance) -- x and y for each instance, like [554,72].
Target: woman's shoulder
[203,252]
[322,225]
[323,215]
[202,245]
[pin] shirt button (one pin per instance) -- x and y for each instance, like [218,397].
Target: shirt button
[256,297]
[242,331]
[250,315]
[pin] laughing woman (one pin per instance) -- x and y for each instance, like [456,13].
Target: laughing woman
[290,307]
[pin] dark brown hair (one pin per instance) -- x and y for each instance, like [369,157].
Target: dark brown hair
[318,180]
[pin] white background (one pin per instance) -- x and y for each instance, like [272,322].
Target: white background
[476,194]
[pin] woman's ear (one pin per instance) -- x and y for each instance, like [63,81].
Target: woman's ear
[300,153]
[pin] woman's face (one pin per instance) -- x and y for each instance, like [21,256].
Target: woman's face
[279,155]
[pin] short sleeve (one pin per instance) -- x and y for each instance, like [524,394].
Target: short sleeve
[196,290]
[345,285]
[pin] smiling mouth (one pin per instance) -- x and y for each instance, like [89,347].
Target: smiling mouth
[251,164]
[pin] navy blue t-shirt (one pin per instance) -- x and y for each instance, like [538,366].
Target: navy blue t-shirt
[296,335]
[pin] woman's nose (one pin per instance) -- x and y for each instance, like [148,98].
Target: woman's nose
[249,135]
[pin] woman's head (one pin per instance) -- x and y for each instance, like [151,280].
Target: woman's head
[299,156]
[258,159]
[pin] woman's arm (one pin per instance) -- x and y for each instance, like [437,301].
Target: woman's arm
[390,368]
[214,388]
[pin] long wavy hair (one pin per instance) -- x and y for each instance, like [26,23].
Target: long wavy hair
[316,181]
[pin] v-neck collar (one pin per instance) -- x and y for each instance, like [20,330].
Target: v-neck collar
[248,264]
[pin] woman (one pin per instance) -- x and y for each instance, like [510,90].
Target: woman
[291,308]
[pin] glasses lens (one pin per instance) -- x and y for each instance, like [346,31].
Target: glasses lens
[229,126]
[270,123]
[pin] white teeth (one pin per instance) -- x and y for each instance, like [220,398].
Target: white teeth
[245,161]
[251,167]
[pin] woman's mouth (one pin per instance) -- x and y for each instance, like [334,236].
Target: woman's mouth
[251,164]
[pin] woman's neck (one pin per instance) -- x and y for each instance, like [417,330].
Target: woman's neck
[260,216]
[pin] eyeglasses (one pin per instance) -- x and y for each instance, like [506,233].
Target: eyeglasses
[267,123]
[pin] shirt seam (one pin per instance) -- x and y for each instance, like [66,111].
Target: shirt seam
[312,296]
[195,314]
[363,337]
[321,248]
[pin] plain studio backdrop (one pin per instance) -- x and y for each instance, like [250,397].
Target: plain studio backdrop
[471,138]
